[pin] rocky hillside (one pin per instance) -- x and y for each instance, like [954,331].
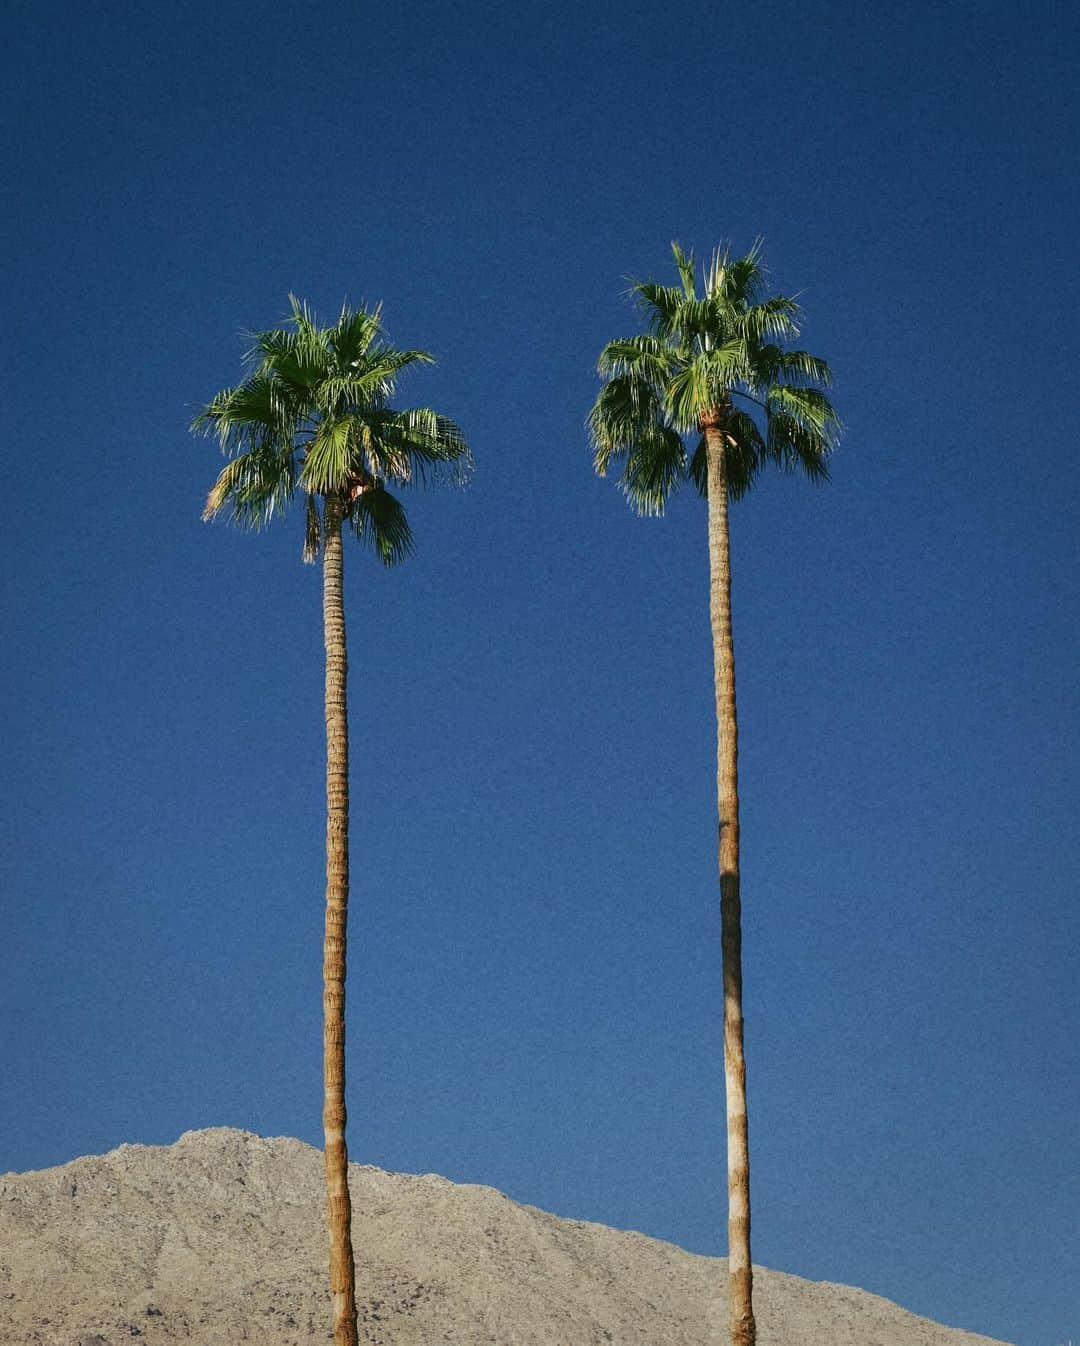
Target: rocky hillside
[219,1240]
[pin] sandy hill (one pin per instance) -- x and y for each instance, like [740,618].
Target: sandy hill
[219,1240]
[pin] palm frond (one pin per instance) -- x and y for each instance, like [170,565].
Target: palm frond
[688,394]
[367,383]
[723,368]
[662,307]
[389,362]
[803,429]
[715,274]
[299,357]
[655,467]
[738,280]
[248,416]
[684,263]
[429,446]
[626,409]
[379,522]
[792,445]
[773,364]
[305,323]
[810,406]
[252,487]
[644,356]
[353,334]
[775,317]
[700,321]
[330,458]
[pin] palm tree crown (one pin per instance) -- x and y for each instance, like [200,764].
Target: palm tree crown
[681,377]
[314,415]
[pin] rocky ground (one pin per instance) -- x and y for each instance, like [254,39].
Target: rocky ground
[219,1239]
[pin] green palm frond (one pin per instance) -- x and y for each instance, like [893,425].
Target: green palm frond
[353,334]
[803,429]
[294,366]
[386,362]
[253,487]
[687,394]
[684,264]
[773,364]
[626,409]
[369,383]
[298,357]
[809,406]
[792,445]
[432,446]
[306,327]
[663,308]
[379,521]
[737,280]
[331,456]
[255,413]
[776,317]
[654,470]
[644,356]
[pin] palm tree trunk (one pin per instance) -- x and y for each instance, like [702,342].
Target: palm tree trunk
[740,1270]
[336,1156]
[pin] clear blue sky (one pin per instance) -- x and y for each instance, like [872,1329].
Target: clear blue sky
[534,977]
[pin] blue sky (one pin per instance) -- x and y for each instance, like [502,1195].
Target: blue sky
[534,967]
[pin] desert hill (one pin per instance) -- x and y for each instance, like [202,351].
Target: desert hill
[219,1240]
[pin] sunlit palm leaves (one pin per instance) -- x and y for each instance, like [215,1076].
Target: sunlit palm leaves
[718,352]
[315,415]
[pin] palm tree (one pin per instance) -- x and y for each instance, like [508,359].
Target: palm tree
[313,415]
[712,367]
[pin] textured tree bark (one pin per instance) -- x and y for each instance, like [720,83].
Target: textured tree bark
[336,1156]
[740,1270]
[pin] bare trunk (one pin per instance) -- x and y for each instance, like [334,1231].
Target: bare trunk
[740,1270]
[336,1156]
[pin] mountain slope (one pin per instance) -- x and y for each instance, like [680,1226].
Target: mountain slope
[219,1239]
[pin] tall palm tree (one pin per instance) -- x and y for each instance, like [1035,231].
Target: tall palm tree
[313,415]
[714,367]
